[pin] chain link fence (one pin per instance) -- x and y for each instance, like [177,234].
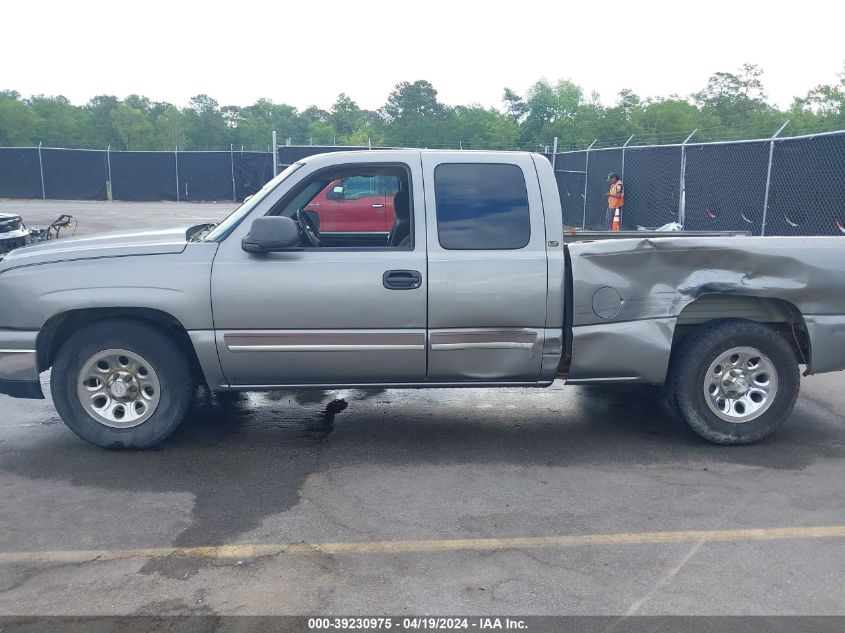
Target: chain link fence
[776,186]
[81,174]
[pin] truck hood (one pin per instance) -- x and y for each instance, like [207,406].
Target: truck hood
[112,244]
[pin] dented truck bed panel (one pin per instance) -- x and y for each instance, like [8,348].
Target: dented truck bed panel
[628,294]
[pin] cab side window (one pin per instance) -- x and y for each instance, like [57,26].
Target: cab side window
[481,206]
[357,207]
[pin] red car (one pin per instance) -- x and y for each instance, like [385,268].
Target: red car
[357,204]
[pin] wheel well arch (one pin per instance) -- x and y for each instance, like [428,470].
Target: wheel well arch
[782,316]
[60,326]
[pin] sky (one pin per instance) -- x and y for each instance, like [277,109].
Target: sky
[304,53]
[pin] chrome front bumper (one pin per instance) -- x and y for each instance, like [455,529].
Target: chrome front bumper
[19,364]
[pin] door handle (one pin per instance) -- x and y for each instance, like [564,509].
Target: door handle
[402,279]
[377,206]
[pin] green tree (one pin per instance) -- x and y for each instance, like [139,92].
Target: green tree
[60,124]
[737,99]
[130,125]
[414,115]
[515,106]
[345,116]
[19,124]
[555,110]
[100,130]
[205,126]
[170,128]
[259,120]
[474,127]
[822,108]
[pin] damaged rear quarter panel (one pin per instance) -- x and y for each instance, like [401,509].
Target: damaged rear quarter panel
[657,278]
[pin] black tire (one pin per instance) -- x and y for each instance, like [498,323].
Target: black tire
[168,361]
[702,347]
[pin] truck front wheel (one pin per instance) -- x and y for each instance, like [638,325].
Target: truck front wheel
[733,381]
[121,383]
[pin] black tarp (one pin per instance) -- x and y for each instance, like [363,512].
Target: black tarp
[141,176]
[571,161]
[20,173]
[805,197]
[75,174]
[289,154]
[205,176]
[601,163]
[570,187]
[569,168]
[252,171]
[725,186]
[652,179]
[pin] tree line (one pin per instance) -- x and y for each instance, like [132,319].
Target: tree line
[733,105]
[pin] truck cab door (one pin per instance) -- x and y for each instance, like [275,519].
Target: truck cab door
[487,268]
[344,315]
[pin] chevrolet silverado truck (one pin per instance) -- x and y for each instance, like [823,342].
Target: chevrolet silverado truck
[472,286]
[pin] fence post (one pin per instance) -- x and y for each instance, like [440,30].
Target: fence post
[682,188]
[554,153]
[586,180]
[275,166]
[232,164]
[41,169]
[109,193]
[769,178]
[176,156]
[622,175]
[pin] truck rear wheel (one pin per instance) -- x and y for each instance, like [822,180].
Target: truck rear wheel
[121,383]
[733,381]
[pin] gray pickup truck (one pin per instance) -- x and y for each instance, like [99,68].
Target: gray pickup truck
[472,286]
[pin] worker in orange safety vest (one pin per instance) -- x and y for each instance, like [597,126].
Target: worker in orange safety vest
[615,197]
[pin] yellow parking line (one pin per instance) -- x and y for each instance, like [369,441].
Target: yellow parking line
[427,546]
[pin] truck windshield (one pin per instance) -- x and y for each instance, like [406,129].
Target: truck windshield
[221,230]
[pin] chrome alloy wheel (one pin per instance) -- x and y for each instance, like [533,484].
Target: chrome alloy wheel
[740,384]
[118,388]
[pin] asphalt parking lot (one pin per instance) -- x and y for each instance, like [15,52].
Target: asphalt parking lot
[568,500]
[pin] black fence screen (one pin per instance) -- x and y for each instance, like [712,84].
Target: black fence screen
[570,186]
[805,197]
[726,186]
[289,154]
[205,176]
[135,176]
[716,186]
[652,185]
[252,170]
[571,161]
[20,173]
[75,174]
[140,176]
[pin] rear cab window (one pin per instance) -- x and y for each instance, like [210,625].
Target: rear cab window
[481,206]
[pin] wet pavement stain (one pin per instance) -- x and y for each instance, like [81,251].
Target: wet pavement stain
[321,427]
[236,472]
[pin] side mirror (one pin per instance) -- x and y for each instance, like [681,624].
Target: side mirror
[336,193]
[270,234]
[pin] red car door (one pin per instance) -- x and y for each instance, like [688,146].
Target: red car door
[351,205]
[389,185]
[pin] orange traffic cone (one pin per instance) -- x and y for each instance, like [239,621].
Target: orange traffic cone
[617,221]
